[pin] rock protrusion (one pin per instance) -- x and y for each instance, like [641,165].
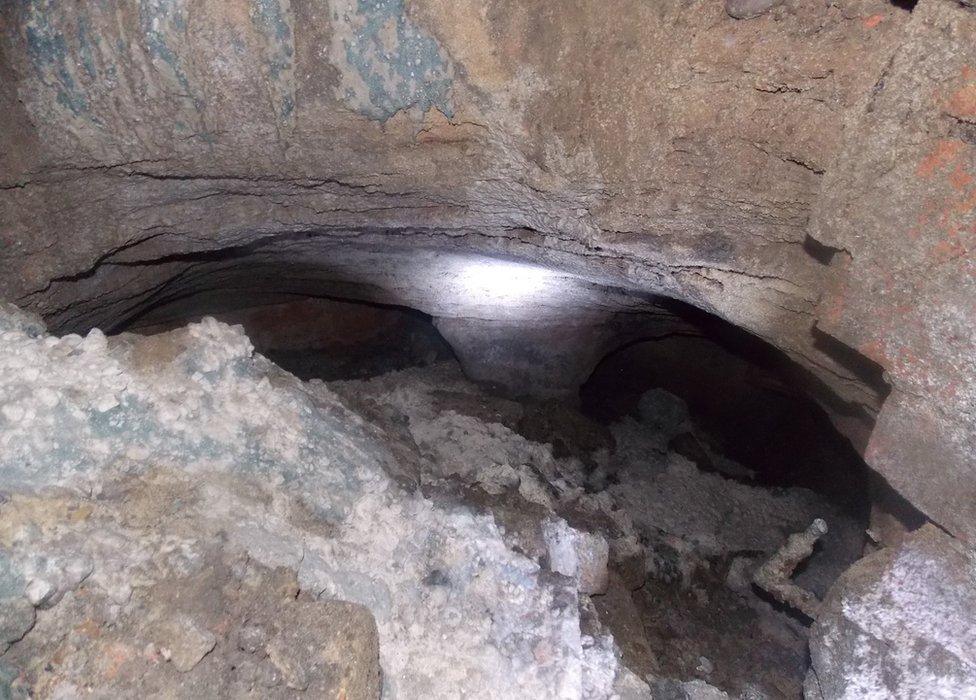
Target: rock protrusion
[580,555]
[328,649]
[899,623]
[184,643]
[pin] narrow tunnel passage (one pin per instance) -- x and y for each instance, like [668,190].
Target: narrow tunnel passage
[690,455]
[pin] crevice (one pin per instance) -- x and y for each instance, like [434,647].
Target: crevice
[867,370]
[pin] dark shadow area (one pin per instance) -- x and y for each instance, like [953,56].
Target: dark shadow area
[907,5]
[747,400]
[314,337]
[823,254]
[868,371]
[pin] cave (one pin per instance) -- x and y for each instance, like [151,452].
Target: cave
[683,412]
[421,349]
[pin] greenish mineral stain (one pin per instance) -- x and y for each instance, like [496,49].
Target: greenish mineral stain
[270,18]
[85,47]
[159,21]
[422,76]
[49,54]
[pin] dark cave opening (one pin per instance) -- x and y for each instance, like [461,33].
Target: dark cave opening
[751,422]
[744,396]
[907,5]
[751,403]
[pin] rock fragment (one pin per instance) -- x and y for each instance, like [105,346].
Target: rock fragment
[183,642]
[498,478]
[697,689]
[594,553]
[580,555]
[899,623]
[629,558]
[40,593]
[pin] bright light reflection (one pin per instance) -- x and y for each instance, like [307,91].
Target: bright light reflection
[502,281]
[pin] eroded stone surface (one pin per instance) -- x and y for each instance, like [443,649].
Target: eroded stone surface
[328,649]
[747,9]
[901,201]
[900,623]
[807,175]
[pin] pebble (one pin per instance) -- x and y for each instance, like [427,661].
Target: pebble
[704,665]
[184,643]
[40,592]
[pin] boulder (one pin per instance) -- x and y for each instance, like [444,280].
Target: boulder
[899,623]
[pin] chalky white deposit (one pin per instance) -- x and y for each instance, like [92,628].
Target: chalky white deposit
[257,446]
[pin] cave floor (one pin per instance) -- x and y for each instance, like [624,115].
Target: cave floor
[684,541]
[200,517]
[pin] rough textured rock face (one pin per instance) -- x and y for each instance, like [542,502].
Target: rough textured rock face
[900,623]
[806,174]
[900,203]
[183,518]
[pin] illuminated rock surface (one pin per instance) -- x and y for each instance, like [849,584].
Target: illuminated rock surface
[899,623]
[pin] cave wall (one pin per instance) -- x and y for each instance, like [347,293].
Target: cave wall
[806,175]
